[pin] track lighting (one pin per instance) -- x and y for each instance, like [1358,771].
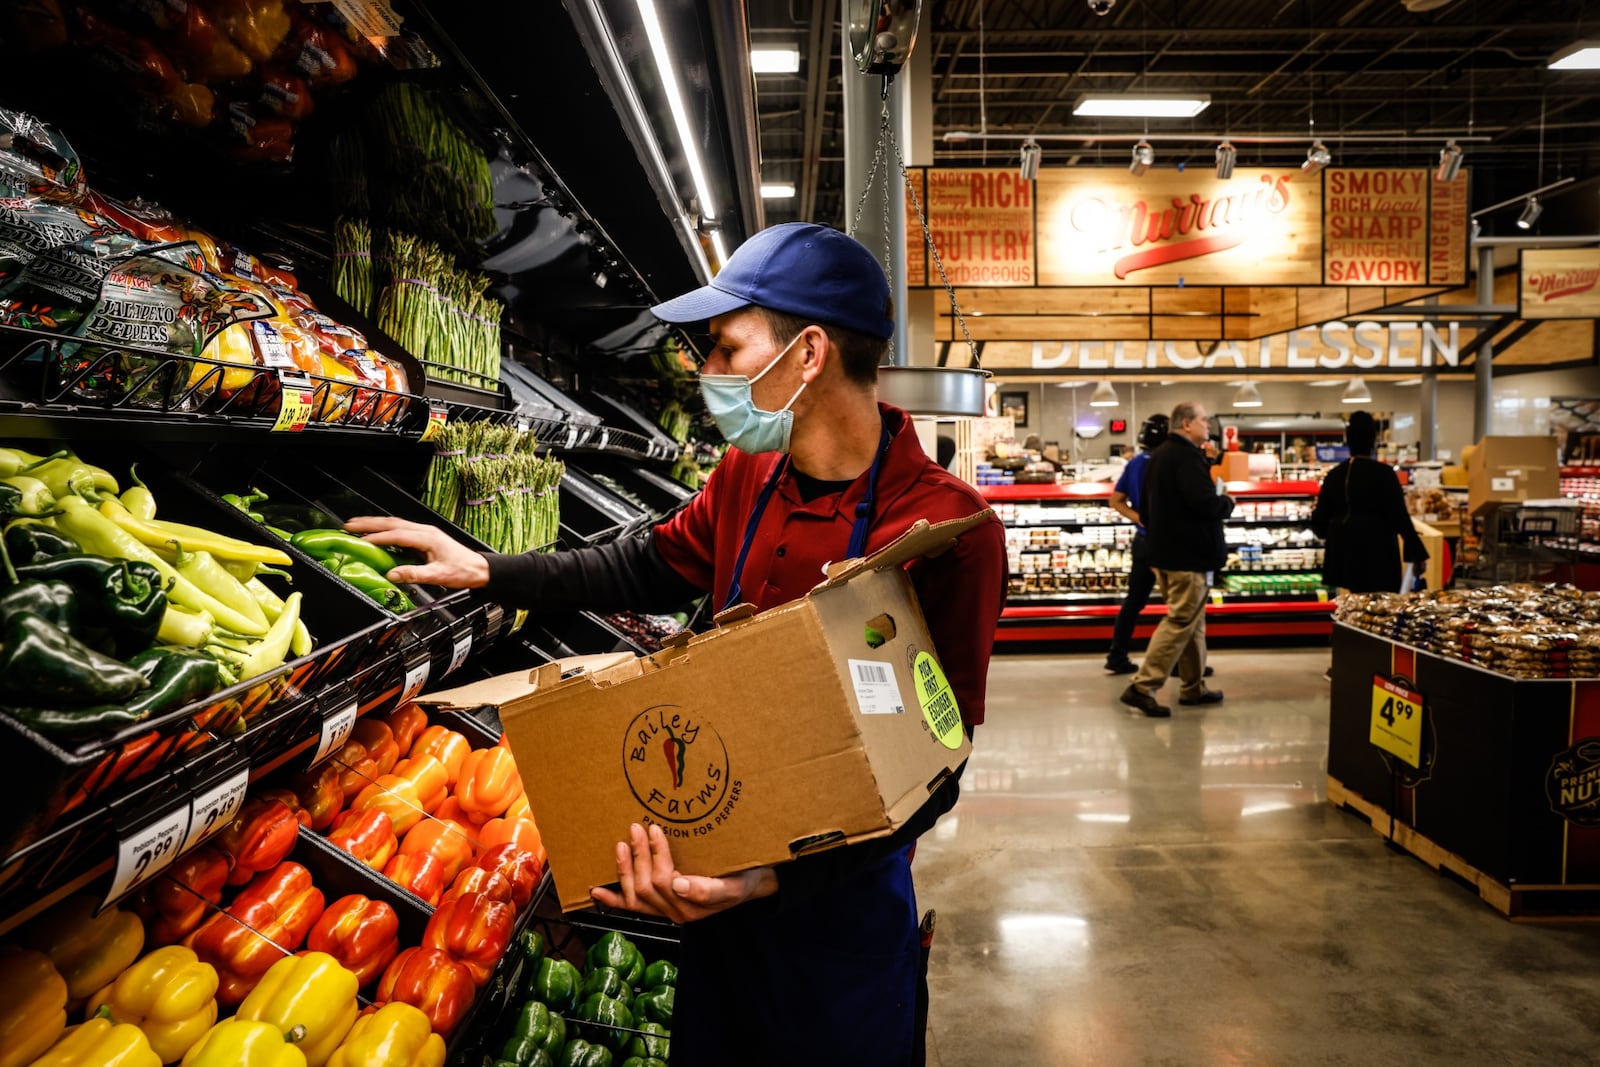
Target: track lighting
[1105,395]
[1449,162]
[1530,213]
[1031,153]
[1317,157]
[1226,154]
[1144,157]
[1357,392]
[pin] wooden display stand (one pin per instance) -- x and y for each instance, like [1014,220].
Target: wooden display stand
[1507,798]
[1432,540]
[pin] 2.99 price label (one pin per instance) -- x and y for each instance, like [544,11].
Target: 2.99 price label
[148,851]
[1397,720]
[294,409]
[215,808]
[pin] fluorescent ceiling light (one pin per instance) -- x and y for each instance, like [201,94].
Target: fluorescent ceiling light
[1584,55]
[1105,396]
[1141,107]
[784,60]
[1226,156]
[1248,396]
[1327,383]
[720,248]
[777,190]
[1356,392]
[668,73]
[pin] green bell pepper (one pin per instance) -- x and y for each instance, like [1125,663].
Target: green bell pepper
[557,984]
[536,1031]
[580,1053]
[55,602]
[606,1019]
[643,1061]
[609,981]
[653,1043]
[656,1005]
[126,598]
[616,951]
[42,662]
[534,945]
[660,973]
[33,542]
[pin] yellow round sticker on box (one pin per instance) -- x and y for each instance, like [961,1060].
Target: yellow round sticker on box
[938,702]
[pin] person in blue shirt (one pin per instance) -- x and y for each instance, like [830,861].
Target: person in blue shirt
[1125,498]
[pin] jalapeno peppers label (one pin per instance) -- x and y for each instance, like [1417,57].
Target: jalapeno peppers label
[677,768]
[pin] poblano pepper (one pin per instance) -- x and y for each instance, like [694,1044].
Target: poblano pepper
[55,602]
[536,1031]
[42,662]
[126,598]
[176,677]
[32,542]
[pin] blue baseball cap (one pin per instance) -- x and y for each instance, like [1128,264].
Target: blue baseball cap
[798,268]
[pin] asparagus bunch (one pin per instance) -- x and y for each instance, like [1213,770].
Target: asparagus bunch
[438,176]
[352,263]
[440,314]
[491,481]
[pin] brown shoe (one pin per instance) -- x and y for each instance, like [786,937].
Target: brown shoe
[1135,697]
[1207,696]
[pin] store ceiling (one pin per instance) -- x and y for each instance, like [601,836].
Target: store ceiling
[1358,67]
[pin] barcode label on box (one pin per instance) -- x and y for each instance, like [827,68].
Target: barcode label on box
[877,692]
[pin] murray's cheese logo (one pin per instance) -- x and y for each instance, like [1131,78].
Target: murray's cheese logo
[1554,285]
[676,765]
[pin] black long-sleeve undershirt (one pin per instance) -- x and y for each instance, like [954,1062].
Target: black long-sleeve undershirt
[628,574]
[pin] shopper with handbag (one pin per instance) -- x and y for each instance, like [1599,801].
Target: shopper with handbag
[1360,512]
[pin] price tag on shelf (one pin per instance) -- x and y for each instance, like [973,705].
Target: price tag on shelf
[1396,720]
[494,619]
[416,678]
[438,415]
[336,730]
[147,851]
[294,409]
[1216,597]
[214,808]
[458,656]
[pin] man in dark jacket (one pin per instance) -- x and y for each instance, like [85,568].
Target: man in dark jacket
[1183,515]
[1360,511]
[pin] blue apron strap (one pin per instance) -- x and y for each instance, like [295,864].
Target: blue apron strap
[734,592]
[863,523]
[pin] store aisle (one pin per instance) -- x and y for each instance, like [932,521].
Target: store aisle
[1118,890]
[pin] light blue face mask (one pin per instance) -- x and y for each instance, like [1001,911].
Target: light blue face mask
[732,406]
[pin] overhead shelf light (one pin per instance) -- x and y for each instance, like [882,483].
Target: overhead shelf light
[1141,107]
[777,190]
[1031,154]
[775,60]
[668,73]
[1248,396]
[1356,392]
[1105,395]
[1226,155]
[1449,162]
[1582,55]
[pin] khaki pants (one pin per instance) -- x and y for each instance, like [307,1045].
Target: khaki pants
[1180,637]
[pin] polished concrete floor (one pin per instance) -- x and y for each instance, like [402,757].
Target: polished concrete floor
[1113,889]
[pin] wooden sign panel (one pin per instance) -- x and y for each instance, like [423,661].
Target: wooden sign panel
[982,224]
[1449,231]
[1377,226]
[1559,283]
[919,266]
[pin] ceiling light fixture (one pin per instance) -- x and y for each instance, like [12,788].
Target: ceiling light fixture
[1144,157]
[1317,157]
[1248,396]
[1582,55]
[777,190]
[1141,107]
[1226,154]
[782,60]
[1450,157]
[1530,213]
[1356,392]
[1031,154]
[1105,396]
[666,70]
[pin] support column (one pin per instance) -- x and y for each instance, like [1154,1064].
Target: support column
[863,105]
[1483,371]
[1428,417]
[915,130]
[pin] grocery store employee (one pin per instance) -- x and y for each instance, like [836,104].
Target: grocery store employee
[816,960]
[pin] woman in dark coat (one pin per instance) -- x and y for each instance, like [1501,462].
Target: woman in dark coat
[1359,512]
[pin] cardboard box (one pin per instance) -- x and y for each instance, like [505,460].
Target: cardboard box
[821,722]
[1510,470]
[1235,467]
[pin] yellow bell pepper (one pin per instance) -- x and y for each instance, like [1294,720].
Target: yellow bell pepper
[396,1035]
[88,949]
[243,1043]
[101,1043]
[310,995]
[33,1005]
[169,994]
[231,345]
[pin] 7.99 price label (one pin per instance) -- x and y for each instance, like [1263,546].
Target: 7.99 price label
[147,851]
[1397,720]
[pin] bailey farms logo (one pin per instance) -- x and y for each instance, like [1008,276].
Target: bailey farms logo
[676,764]
[1183,228]
[1553,285]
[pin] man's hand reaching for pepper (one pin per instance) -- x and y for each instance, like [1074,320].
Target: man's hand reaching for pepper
[650,882]
[448,563]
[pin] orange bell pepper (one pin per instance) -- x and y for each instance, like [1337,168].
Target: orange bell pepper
[367,834]
[357,769]
[406,723]
[451,809]
[361,933]
[378,739]
[520,808]
[474,929]
[289,797]
[270,915]
[518,866]
[258,838]
[429,774]
[320,793]
[446,746]
[523,833]
[431,980]
[449,842]
[175,904]
[396,797]
[419,873]
[491,884]
[489,781]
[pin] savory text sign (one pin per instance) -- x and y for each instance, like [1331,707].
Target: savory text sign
[1377,226]
[1559,283]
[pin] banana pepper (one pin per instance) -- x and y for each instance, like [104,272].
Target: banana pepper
[361,933]
[278,908]
[258,838]
[476,930]
[33,1005]
[101,1043]
[396,1035]
[309,995]
[488,781]
[170,995]
[88,949]
[244,1043]
[158,533]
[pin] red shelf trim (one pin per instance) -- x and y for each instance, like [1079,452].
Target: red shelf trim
[1102,491]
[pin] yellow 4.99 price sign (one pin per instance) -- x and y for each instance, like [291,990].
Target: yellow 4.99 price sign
[1397,720]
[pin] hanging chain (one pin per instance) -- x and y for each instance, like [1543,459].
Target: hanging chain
[938,261]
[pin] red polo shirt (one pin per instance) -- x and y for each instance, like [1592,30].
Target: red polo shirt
[961,591]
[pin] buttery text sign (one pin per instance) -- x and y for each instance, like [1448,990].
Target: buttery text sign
[982,225]
[1559,283]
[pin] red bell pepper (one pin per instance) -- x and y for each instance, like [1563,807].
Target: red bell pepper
[432,780]
[446,746]
[420,874]
[406,723]
[258,838]
[320,794]
[301,815]
[367,834]
[357,768]
[474,929]
[378,739]
[491,884]
[489,781]
[431,980]
[271,915]
[174,905]
[361,933]
[396,797]
[448,842]
[518,866]
[524,833]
